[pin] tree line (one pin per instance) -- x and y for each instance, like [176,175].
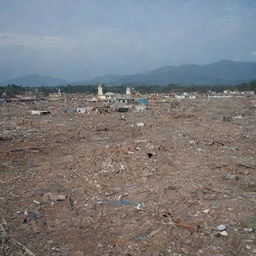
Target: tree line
[13,90]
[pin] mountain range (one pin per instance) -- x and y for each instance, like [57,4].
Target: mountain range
[224,72]
[34,80]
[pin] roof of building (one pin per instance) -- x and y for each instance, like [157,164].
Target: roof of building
[109,94]
[123,97]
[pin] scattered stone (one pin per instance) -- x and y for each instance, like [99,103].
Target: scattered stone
[40,112]
[138,206]
[221,227]
[238,117]
[150,154]
[248,247]
[140,124]
[248,230]
[224,233]
[50,196]
[229,176]
[216,205]
[81,110]
[29,215]
[192,142]
[61,197]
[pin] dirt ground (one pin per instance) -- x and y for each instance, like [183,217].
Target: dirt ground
[103,184]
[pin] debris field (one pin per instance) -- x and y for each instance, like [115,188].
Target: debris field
[177,178]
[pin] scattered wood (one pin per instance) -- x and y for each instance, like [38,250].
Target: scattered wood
[246,166]
[154,232]
[6,239]
[4,222]
[184,226]
[213,142]
[28,149]
[3,237]
[23,247]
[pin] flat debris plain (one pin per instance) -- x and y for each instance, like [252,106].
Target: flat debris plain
[158,182]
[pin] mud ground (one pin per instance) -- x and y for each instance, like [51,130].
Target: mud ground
[97,184]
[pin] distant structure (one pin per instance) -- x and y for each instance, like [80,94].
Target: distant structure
[131,91]
[128,91]
[100,92]
[100,89]
[55,95]
[110,96]
[3,97]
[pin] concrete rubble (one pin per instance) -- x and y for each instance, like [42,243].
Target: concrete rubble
[39,112]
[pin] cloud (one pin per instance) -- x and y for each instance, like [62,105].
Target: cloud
[35,41]
[86,38]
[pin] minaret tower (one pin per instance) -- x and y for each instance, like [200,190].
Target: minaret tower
[100,90]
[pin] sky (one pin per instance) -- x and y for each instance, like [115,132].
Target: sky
[82,39]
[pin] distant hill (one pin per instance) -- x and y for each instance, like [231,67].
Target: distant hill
[108,79]
[224,72]
[34,80]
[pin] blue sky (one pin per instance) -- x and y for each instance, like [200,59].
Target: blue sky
[81,39]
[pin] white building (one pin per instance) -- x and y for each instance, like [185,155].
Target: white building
[100,92]
[128,91]
[110,96]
